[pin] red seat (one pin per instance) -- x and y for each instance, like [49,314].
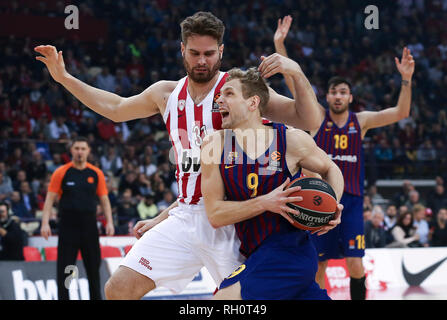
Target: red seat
[110,252]
[32,254]
[50,253]
[127,248]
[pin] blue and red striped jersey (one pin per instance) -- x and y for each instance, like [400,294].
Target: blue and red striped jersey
[245,178]
[344,147]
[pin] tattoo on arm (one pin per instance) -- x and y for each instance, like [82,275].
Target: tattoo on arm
[405,82]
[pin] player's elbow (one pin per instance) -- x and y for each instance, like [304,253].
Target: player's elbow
[214,221]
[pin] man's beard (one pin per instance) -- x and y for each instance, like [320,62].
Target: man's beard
[339,111]
[203,77]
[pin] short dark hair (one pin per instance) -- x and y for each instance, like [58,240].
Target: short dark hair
[335,81]
[204,24]
[80,139]
[252,85]
[4,203]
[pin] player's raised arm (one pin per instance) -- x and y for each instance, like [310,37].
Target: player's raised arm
[278,40]
[108,104]
[373,119]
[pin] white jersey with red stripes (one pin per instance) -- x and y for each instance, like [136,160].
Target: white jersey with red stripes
[187,124]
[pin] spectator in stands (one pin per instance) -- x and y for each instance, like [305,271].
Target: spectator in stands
[168,199]
[11,236]
[375,236]
[391,217]
[401,197]
[147,209]
[421,224]
[129,181]
[413,199]
[367,204]
[404,233]
[106,129]
[55,163]
[376,198]
[111,162]
[126,212]
[58,128]
[437,199]
[438,233]
[18,207]
[5,186]
[28,197]
[147,167]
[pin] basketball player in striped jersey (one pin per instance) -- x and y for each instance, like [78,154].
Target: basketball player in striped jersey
[175,245]
[340,134]
[244,185]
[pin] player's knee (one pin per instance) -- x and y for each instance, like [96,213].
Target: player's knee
[116,288]
[355,267]
[111,289]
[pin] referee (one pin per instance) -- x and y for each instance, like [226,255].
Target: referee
[78,185]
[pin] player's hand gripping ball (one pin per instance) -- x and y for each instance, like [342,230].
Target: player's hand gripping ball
[318,205]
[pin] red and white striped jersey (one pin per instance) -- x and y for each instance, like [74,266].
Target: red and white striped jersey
[187,125]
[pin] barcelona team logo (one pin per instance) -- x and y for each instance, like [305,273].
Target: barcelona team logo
[232,156]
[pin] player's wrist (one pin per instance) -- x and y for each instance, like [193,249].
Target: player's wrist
[406,81]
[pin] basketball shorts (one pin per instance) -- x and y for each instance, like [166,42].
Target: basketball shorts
[173,252]
[282,268]
[348,238]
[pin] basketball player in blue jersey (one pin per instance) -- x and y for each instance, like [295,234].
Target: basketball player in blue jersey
[340,134]
[244,174]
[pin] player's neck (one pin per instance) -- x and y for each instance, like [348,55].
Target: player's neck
[340,119]
[199,91]
[254,138]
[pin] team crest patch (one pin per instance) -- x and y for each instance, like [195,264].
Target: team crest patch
[352,128]
[232,156]
[181,105]
[90,180]
[215,107]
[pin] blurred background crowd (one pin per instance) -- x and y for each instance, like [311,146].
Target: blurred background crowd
[141,45]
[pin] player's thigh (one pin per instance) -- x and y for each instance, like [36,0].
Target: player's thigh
[352,227]
[232,292]
[126,283]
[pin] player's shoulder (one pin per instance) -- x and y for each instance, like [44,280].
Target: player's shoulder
[293,133]
[164,86]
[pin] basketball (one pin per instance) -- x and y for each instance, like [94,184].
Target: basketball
[318,205]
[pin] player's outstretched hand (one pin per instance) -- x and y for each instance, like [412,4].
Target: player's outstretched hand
[333,223]
[53,60]
[282,30]
[276,200]
[142,226]
[276,63]
[406,65]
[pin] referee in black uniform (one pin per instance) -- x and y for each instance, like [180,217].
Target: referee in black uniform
[78,185]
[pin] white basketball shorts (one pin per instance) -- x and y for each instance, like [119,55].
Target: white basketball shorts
[174,251]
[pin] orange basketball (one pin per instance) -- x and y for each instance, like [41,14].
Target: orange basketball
[318,205]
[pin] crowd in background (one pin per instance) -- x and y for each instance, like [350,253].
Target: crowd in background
[38,117]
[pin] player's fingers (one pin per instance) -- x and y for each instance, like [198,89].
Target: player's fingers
[42,59]
[294,199]
[292,190]
[272,71]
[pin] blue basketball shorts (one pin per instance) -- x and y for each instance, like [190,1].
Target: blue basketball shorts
[282,268]
[348,238]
